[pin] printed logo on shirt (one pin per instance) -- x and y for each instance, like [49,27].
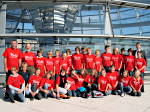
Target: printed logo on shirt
[40,61]
[106,58]
[129,60]
[89,59]
[28,57]
[12,55]
[112,78]
[103,81]
[139,63]
[77,58]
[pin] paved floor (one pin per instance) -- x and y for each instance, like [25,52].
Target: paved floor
[107,104]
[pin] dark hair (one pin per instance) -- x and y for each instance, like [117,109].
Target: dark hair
[77,48]
[107,46]
[130,50]
[40,51]
[123,49]
[138,43]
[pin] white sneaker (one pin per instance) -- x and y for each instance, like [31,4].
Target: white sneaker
[122,94]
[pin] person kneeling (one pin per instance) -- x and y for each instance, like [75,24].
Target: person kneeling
[47,85]
[16,85]
[136,83]
[32,88]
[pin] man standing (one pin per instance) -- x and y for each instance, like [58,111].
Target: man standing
[138,48]
[28,56]
[12,58]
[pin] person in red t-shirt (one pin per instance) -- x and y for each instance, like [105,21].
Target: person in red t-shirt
[69,56]
[28,57]
[123,60]
[103,83]
[57,59]
[140,64]
[136,83]
[77,60]
[89,59]
[107,58]
[113,79]
[16,85]
[32,88]
[12,58]
[49,62]
[47,85]
[64,63]
[71,81]
[129,62]
[123,85]
[117,59]
[40,62]
[98,62]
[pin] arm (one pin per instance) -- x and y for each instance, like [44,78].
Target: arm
[5,64]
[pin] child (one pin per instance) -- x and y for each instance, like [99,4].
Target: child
[98,62]
[103,83]
[40,62]
[77,60]
[129,62]
[140,64]
[71,81]
[69,57]
[79,81]
[113,79]
[123,85]
[32,88]
[61,82]
[117,59]
[57,59]
[107,58]
[64,64]
[16,86]
[136,83]
[49,62]
[24,72]
[123,60]
[94,79]
[47,85]
[89,59]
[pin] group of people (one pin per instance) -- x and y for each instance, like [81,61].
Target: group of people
[66,75]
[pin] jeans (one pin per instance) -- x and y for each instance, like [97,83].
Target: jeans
[142,89]
[34,89]
[136,94]
[123,89]
[13,93]
[49,92]
[72,93]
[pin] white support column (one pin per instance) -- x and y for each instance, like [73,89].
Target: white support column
[3,18]
[2,31]
[107,24]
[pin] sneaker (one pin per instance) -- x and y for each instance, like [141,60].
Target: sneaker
[12,101]
[31,98]
[122,95]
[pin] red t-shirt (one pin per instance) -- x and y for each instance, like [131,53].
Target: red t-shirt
[106,59]
[71,81]
[123,60]
[79,83]
[139,63]
[103,81]
[57,64]
[87,78]
[28,57]
[136,83]
[34,79]
[40,63]
[48,82]
[116,60]
[129,62]
[69,61]
[12,56]
[113,78]
[64,63]
[15,81]
[98,63]
[77,61]
[125,80]
[89,61]
[49,64]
